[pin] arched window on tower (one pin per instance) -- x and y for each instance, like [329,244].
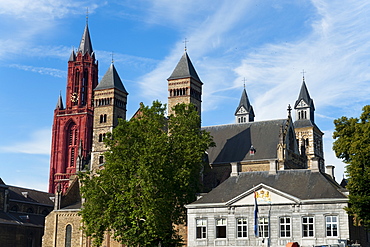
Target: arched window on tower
[101,118]
[72,144]
[105,118]
[68,236]
[299,115]
[100,137]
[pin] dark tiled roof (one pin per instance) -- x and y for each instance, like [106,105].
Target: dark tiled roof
[233,141]
[307,185]
[110,80]
[33,196]
[301,123]
[22,219]
[244,101]
[305,96]
[85,44]
[184,69]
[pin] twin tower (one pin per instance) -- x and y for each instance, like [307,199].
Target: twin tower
[92,109]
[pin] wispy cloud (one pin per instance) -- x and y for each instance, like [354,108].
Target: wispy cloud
[37,143]
[41,70]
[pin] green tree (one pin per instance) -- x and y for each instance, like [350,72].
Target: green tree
[152,170]
[352,145]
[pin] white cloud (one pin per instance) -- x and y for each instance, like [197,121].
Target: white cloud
[38,143]
[41,70]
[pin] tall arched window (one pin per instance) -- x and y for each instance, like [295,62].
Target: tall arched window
[72,144]
[68,236]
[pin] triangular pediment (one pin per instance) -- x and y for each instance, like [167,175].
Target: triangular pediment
[265,195]
[302,104]
[241,111]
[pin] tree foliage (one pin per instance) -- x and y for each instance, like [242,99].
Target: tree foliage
[152,169]
[352,145]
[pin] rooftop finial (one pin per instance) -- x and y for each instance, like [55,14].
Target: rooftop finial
[289,110]
[303,72]
[244,80]
[185,41]
[87,15]
[112,54]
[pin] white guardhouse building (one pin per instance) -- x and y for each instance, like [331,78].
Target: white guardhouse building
[304,206]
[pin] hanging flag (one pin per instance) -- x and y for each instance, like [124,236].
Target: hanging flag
[256,233]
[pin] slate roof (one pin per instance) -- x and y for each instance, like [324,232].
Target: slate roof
[184,69]
[72,57]
[33,196]
[233,141]
[244,101]
[307,185]
[301,123]
[85,44]
[22,219]
[111,79]
[303,94]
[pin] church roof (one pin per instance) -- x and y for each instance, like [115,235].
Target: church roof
[30,196]
[233,141]
[303,94]
[85,44]
[307,185]
[184,69]
[110,80]
[244,102]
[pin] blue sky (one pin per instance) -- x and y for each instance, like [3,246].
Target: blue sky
[267,42]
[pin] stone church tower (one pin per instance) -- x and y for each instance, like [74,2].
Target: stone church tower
[184,85]
[110,99]
[73,124]
[309,136]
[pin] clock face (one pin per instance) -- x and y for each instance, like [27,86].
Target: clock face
[74,97]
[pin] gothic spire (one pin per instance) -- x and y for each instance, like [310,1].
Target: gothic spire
[72,58]
[305,96]
[85,44]
[184,69]
[111,79]
[60,103]
[245,109]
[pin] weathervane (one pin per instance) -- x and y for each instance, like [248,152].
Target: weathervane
[244,80]
[112,54]
[185,41]
[87,15]
[303,72]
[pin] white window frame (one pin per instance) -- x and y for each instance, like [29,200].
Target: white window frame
[202,225]
[221,223]
[287,226]
[308,224]
[331,223]
[242,224]
[263,227]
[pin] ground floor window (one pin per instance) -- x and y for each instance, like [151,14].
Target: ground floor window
[201,228]
[242,228]
[331,226]
[285,227]
[308,226]
[263,227]
[221,228]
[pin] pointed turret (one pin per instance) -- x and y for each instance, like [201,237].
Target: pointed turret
[72,58]
[244,112]
[59,105]
[110,80]
[184,69]
[304,105]
[85,44]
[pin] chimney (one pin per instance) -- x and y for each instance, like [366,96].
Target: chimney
[235,167]
[315,164]
[329,169]
[272,167]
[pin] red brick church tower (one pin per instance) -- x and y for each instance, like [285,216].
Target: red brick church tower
[73,124]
